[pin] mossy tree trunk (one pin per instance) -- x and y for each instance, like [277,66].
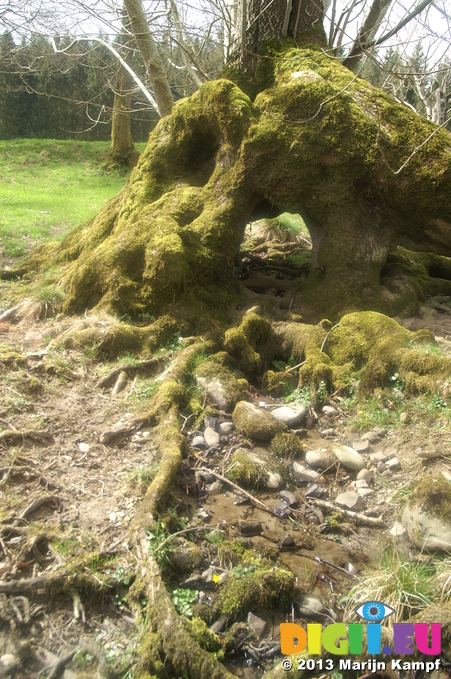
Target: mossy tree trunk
[310,139]
[316,141]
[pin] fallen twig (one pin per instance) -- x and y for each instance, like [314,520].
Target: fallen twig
[253,499]
[360,519]
[196,529]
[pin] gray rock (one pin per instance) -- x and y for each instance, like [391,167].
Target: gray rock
[320,459]
[366,475]
[329,411]
[258,424]
[205,476]
[304,475]
[274,481]
[393,465]
[256,624]
[192,582]
[397,530]
[282,510]
[211,437]
[199,442]
[365,492]
[187,557]
[326,433]
[8,661]
[290,415]
[212,422]
[315,491]
[348,457]
[380,456]
[370,436]
[219,625]
[216,488]
[289,498]
[310,606]
[425,530]
[361,446]
[350,500]
[379,431]
[360,483]
[226,427]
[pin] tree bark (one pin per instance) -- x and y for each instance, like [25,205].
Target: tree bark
[152,59]
[367,31]
[123,152]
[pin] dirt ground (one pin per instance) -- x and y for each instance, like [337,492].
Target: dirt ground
[67,500]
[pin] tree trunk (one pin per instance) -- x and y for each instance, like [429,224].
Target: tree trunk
[149,52]
[317,142]
[123,152]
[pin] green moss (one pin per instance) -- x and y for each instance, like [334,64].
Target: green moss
[433,492]
[215,371]
[206,639]
[257,424]
[245,472]
[286,446]
[243,342]
[266,589]
[279,383]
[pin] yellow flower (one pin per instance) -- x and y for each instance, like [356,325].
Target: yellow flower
[215,578]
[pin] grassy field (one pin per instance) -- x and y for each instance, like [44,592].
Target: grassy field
[47,187]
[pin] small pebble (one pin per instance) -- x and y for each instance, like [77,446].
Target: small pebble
[329,411]
[366,474]
[361,446]
[290,498]
[350,500]
[211,437]
[84,448]
[199,442]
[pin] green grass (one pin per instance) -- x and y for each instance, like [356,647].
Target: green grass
[405,585]
[47,187]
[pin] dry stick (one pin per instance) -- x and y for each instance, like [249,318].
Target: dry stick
[358,518]
[196,529]
[325,339]
[332,565]
[295,367]
[240,490]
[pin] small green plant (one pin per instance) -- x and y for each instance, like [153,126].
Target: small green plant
[321,393]
[157,537]
[438,403]
[300,396]
[215,538]
[183,600]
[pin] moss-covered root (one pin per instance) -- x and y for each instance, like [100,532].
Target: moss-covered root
[368,349]
[163,412]
[167,649]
